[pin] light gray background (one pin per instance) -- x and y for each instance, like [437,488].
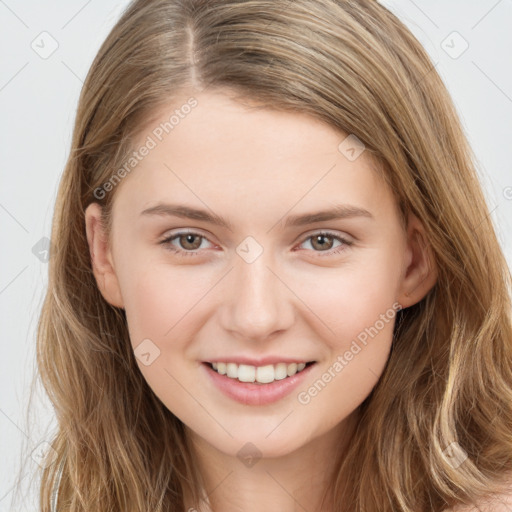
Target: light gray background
[38,98]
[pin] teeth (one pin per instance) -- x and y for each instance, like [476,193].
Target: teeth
[281,371]
[264,374]
[244,372]
[292,369]
[261,374]
[232,370]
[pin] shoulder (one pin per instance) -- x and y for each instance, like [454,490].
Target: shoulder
[497,503]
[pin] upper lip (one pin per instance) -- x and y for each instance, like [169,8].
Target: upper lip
[262,361]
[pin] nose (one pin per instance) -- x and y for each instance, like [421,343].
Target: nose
[257,301]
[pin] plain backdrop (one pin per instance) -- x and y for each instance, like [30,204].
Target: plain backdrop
[46,50]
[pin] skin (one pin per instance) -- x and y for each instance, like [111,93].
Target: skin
[255,167]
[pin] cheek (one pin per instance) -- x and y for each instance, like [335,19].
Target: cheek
[162,304]
[360,312]
[351,298]
[356,308]
[151,306]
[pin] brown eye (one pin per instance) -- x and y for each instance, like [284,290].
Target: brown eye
[184,243]
[324,243]
[190,241]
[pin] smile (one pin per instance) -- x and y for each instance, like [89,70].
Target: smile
[252,391]
[260,374]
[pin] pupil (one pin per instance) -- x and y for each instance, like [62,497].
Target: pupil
[321,239]
[189,241]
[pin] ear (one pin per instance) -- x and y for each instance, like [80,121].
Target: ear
[420,273]
[101,257]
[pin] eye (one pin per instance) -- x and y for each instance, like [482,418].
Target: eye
[320,241]
[189,240]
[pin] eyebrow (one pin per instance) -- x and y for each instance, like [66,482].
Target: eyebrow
[341,211]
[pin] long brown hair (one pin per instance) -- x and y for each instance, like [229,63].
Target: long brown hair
[354,65]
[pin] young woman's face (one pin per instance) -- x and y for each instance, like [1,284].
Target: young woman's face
[274,283]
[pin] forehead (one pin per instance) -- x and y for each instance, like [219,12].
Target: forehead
[228,153]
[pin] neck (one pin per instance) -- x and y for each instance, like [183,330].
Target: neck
[299,480]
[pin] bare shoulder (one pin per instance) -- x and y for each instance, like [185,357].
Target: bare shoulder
[497,503]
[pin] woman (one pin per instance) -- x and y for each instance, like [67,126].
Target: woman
[275,283]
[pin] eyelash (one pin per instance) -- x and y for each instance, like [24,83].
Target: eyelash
[167,243]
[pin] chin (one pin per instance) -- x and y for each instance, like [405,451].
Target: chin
[257,444]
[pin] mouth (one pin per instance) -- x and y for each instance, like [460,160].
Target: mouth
[258,385]
[258,374]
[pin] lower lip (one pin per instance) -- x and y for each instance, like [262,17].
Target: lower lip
[250,393]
